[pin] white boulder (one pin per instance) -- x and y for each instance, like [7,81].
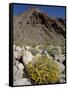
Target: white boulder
[27,57]
[17,55]
[23,81]
[61,67]
[18,71]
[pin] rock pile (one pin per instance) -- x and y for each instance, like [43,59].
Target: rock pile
[23,56]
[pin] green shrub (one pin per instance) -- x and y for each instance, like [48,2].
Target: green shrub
[43,71]
[34,51]
[53,51]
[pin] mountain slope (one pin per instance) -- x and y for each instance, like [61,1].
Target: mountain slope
[36,27]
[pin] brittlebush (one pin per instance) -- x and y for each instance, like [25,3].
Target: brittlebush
[43,71]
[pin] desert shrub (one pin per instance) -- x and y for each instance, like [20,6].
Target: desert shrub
[53,51]
[34,51]
[43,71]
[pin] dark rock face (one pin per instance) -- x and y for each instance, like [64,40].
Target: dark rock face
[36,27]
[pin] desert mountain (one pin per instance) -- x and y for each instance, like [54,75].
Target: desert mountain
[36,27]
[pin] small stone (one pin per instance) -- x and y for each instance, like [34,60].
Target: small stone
[62,81]
[14,47]
[62,76]
[60,58]
[18,48]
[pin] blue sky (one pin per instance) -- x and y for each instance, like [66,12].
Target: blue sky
[50,10]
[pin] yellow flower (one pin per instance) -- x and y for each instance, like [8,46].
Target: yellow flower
[43,71]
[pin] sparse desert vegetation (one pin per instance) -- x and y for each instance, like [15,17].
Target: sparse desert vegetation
[39,49]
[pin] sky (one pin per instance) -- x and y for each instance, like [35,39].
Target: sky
[50,10]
